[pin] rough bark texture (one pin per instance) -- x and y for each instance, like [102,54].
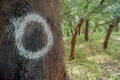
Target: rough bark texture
[86,30]
[107,36]
[17,67]
[73,42]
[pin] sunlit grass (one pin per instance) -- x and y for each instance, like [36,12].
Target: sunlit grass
[91,61]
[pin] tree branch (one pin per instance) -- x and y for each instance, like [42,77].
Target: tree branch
[102,2]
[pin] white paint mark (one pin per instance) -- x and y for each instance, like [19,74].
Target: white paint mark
[20,25]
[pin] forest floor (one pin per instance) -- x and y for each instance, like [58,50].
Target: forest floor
[92,62]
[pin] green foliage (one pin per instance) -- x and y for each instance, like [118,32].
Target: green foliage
[100,16]
[91,61]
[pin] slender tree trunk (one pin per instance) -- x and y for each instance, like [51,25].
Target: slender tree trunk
[94,30]
[73,42]
[86,30]
[79,31]
[105,44]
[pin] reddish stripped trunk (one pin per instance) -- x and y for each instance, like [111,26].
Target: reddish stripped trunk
[73,42]
[86,30]
[108,36]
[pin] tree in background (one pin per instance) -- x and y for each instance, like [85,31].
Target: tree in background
[100,13]
[74,37]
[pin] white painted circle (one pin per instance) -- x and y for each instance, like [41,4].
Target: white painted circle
[20,25]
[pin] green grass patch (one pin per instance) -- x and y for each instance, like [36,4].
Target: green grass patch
[91,61]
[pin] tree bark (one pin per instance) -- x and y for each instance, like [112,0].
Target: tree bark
[31,44]
[73,42]
[105,44]
[79,31]
[86,30]
[94,30]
